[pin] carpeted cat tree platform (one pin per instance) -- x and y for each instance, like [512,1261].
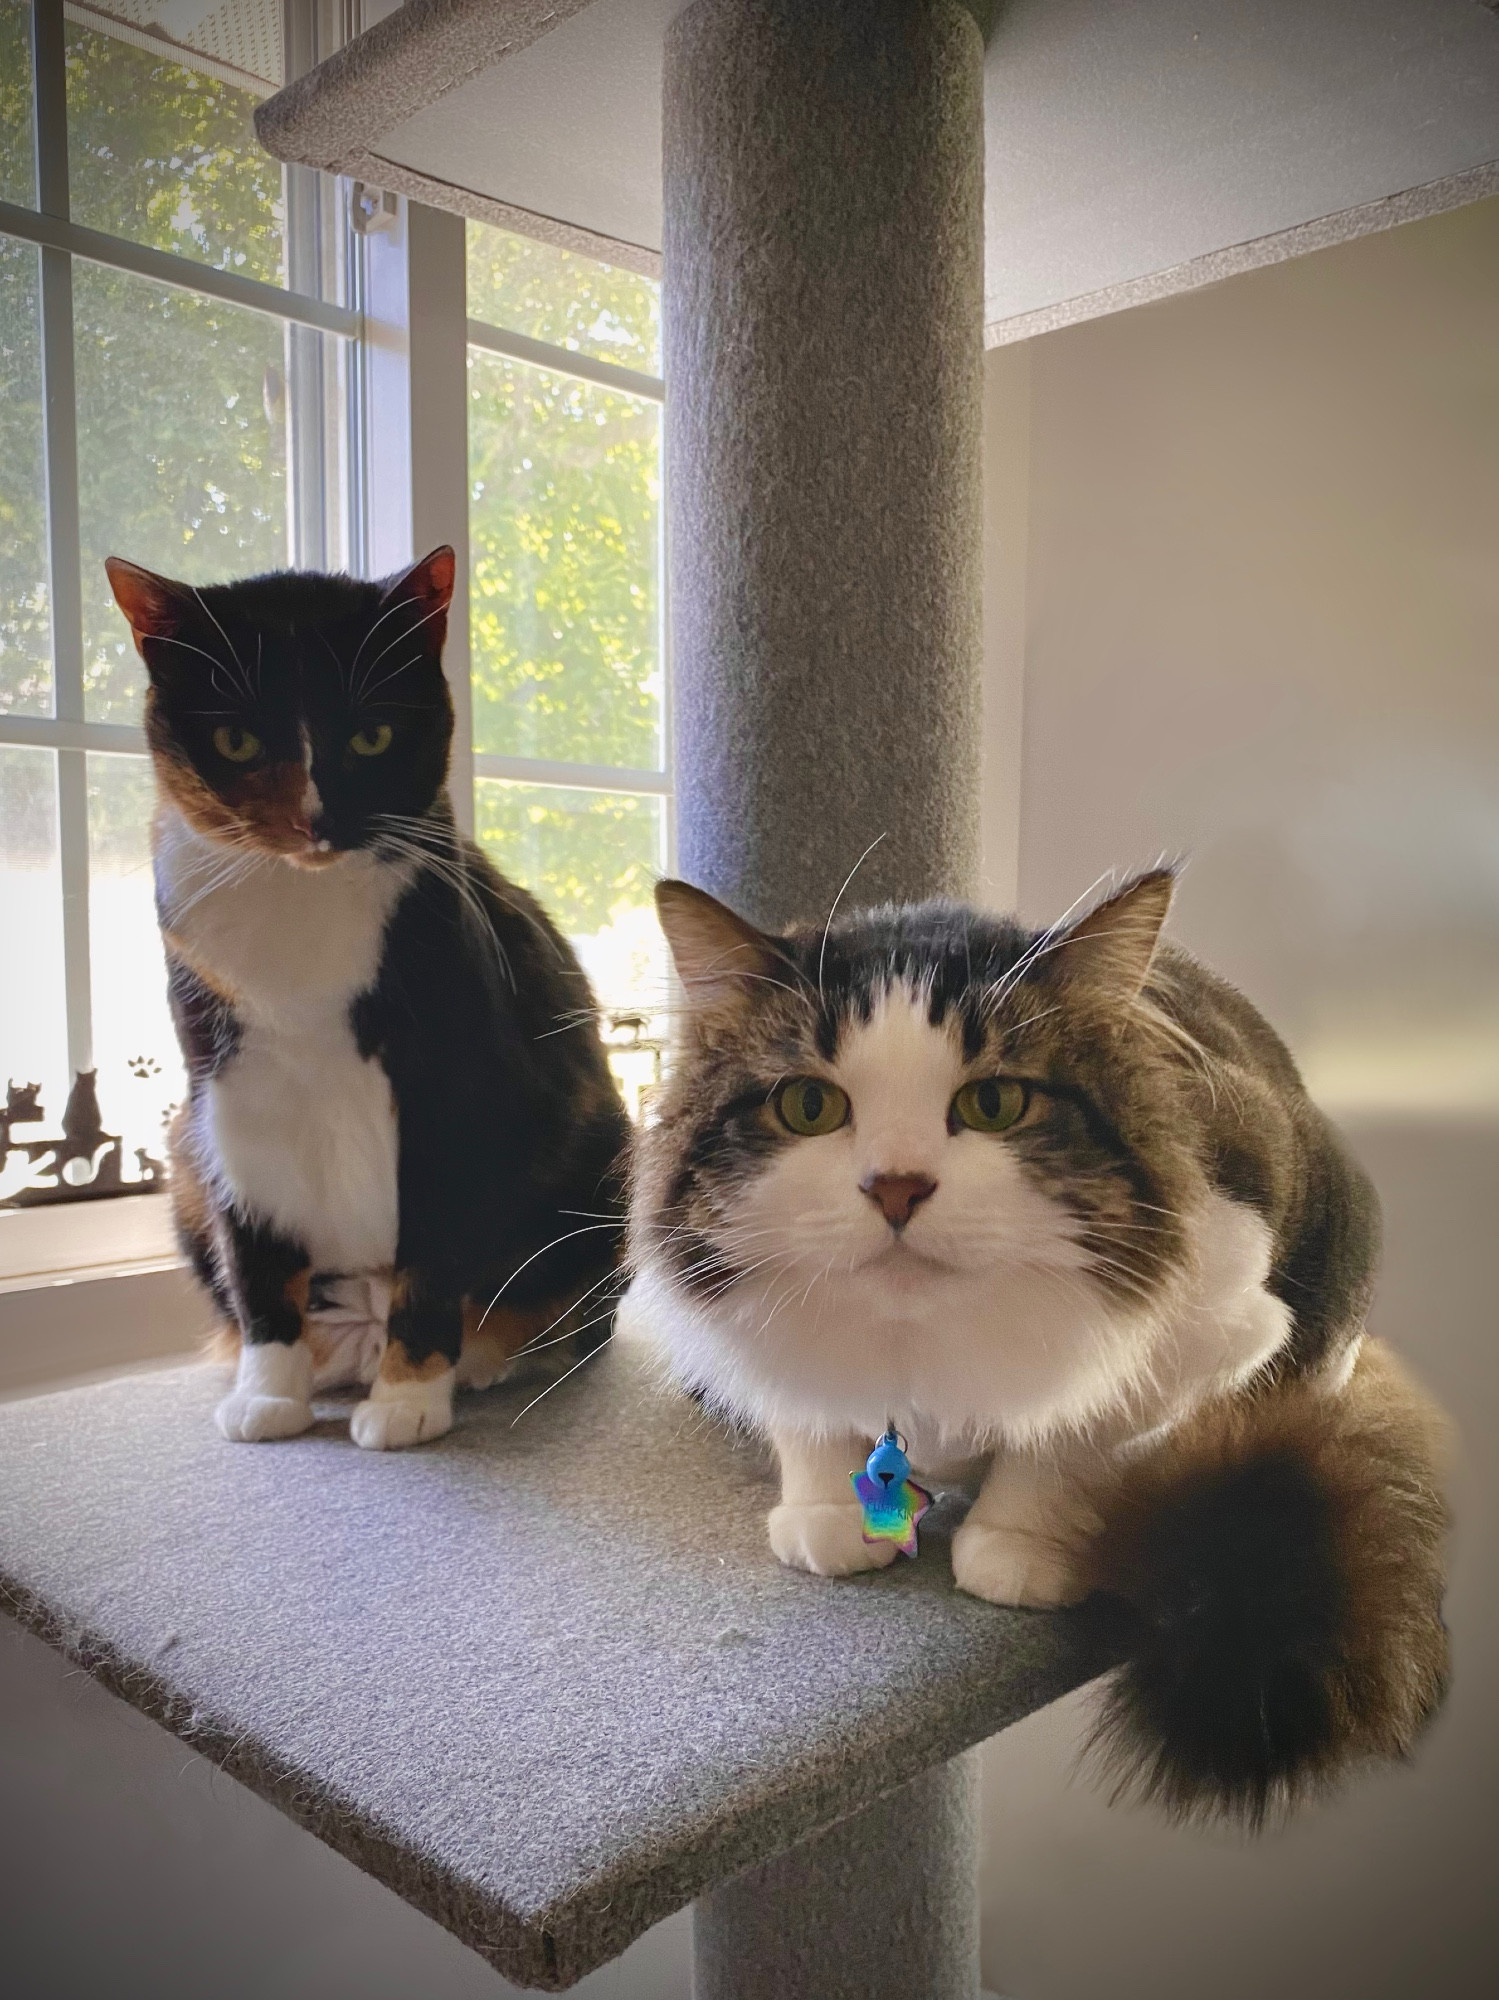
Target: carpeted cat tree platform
[545,1679]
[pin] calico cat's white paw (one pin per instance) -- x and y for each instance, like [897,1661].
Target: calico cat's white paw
[272,1393]
[397,1414]
[248,1416]
[1005,1566]
[826,1537]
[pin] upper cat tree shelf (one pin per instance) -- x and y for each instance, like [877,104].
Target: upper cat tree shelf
[1131,151]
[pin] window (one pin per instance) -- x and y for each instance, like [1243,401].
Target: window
[572,789]
[183,381]
[177,322]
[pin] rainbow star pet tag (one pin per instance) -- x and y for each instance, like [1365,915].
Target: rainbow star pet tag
[892,1501]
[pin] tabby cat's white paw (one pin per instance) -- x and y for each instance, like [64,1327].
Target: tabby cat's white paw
[249,1416]
[826,1537]
[404,1413]
[1005,1566]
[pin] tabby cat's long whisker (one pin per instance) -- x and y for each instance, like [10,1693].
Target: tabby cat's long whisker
[562,1378]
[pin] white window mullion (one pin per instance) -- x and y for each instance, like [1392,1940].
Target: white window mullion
[65,584]
[311,403]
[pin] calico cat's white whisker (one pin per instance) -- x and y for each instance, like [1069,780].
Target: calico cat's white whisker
[440,838]
[187,646]
[329,648]
[437,611]
[399,604]
[233,654]
[579,1019]
[446,867]
[367,692]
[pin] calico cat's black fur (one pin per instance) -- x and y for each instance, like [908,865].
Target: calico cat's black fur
[395,1070]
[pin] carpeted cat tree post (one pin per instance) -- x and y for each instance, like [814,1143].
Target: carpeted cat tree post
[823,342]
[822,301]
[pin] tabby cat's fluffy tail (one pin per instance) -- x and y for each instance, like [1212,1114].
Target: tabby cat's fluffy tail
[1282,1559]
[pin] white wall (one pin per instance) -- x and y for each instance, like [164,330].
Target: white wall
[1255,622]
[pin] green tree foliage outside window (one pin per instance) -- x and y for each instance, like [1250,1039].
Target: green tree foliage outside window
[17,136]
[25,618]
[165,155]
[564,510]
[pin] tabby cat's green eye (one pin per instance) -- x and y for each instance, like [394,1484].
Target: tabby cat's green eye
[993,1104]
[371,742]
[238,745]
[809,1107]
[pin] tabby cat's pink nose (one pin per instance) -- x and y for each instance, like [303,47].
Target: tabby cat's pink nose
[896,1195]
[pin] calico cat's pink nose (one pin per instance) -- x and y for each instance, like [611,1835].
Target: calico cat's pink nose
[897,1195]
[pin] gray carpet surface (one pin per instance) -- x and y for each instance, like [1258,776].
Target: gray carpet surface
[543,1678]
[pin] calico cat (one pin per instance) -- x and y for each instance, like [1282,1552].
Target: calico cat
[395,1076]
[1056,1205]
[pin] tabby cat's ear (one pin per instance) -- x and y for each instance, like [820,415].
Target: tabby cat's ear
[717,953]
[1111,948]
[428,583]
[155,606]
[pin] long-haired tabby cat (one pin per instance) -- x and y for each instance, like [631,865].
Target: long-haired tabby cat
[1057,1205]
[394,1071]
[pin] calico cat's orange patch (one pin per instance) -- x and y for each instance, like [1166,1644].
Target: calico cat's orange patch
[396,1364]
[263,810]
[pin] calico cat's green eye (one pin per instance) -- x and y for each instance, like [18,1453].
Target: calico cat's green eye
[993,1104]
[809,1107]
[238,745]
[372,741]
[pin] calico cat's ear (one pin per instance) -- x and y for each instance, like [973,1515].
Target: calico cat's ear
[717,953]
[1111,948]
[155,606]
[428,583]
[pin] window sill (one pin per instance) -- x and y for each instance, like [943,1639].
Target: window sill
[90,1288]
[40,1244]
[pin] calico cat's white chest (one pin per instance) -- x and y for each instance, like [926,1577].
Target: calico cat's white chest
[303,1130]
[297,1127]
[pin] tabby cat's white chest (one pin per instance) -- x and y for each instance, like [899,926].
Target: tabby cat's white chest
[297,1128]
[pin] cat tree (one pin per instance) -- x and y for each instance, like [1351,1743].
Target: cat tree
[546,1680]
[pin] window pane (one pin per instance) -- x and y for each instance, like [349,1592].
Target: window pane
[33,1011]
[557,295]
[135,1050]
[17,132]
[181,453]
[565,492]
[167,156]
[25,637]
[593,859]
